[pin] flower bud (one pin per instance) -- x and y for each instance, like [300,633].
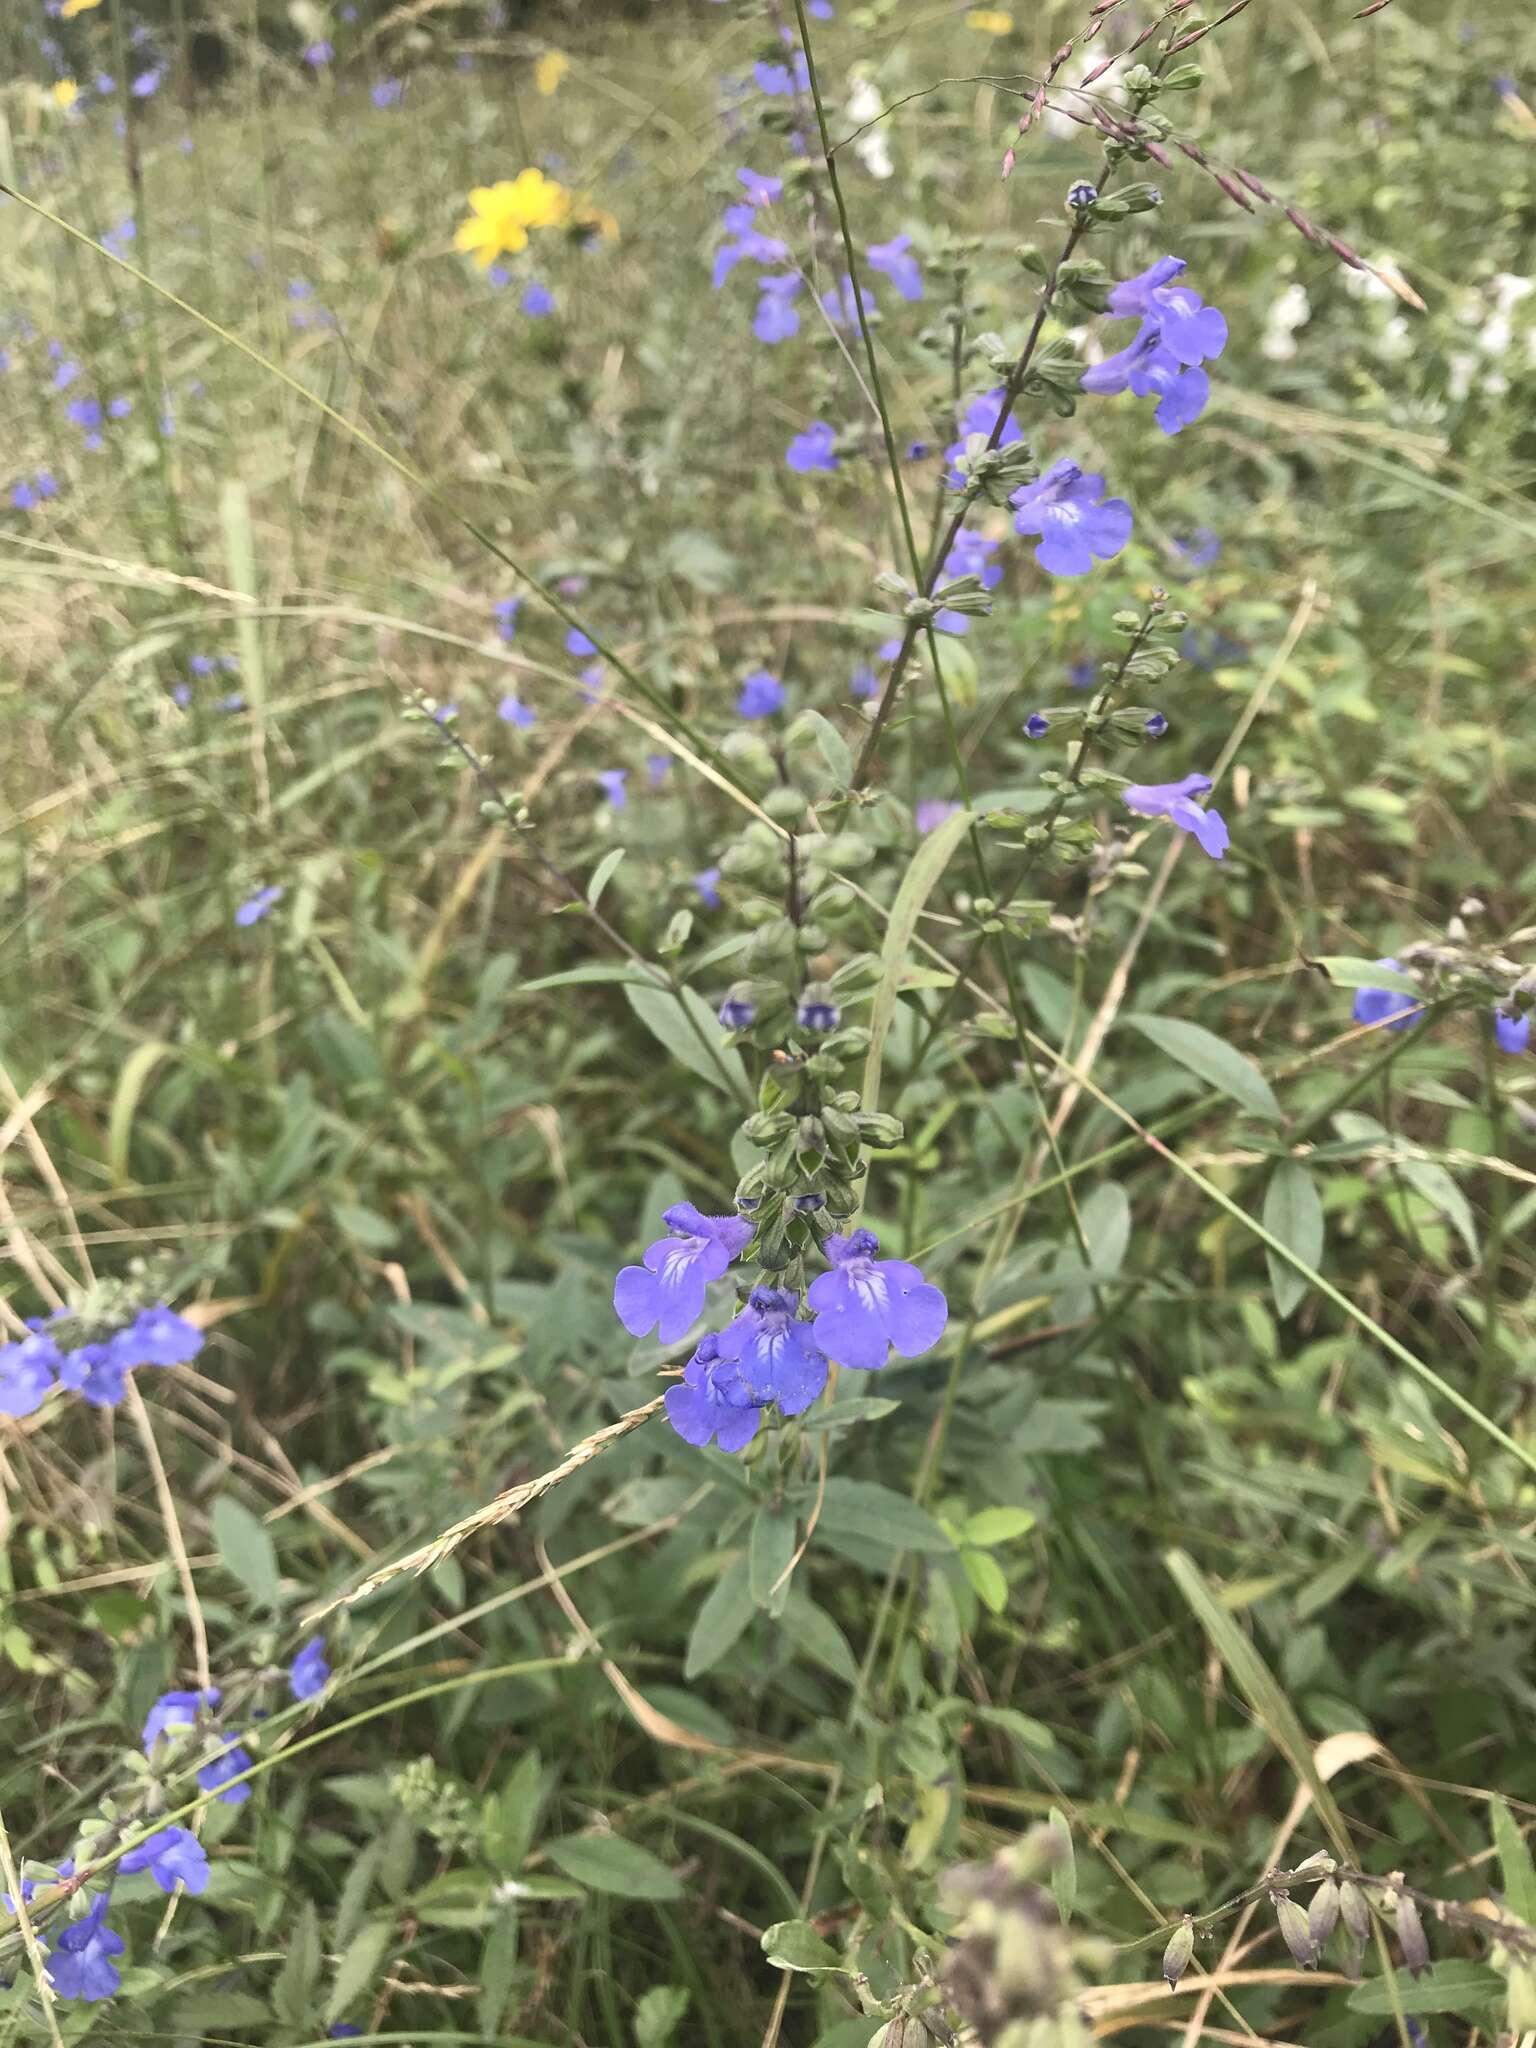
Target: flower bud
[876,1128]
[1181,1946]
[1294,1929]
[1411,1937]
[767,1126]
[1036,726]
[816,1011]
[739,1010]
[1355,1912]
[1323,1913]
[785,806]
[1081,195]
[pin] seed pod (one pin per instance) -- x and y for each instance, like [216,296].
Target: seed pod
[1355,1911]
[1323,1913]
[1181,1946]
[1411,1936]
[1294,1929]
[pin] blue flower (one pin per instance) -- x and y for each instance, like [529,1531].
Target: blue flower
[778,81]
[65,375]
[1036,726]
[1077,523]
[537,301]
[173,1856]
[93,1371]
[308,1672]
[1173,801]
[761,188]
[970,556]
[813,449]
[1393,1007]
[980,417]
[27,1370]
[506,610]
[867,1307]
[715,1401]
[840,307]
[776,318]
[761,695]
[157,1336]
[1512,1028]
[817,1013]
[147,83]
[576,642]
[229,1763]
[738,1012]
[893,260]
[1149,369]
[387,93]
[1190,330]
[175,1713]
[656,766]
[1200,550]
[80,1956]
[667,1291]
[1080,675]
[256,907]
[515,713]
[1156,726]
[747,244]
[707,884]
[932,812]
[864,682]
[614,781]
[776,1352]
[318,53]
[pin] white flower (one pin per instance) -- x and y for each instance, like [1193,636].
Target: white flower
[1291,310]
[871,148]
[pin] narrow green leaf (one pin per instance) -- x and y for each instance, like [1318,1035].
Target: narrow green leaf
[1515,1865]
[769,1549]
[813,1631]
[510,1815]
[131,1083]
[359,1965]
[795,1945]
[917,884]
[498,1970]
[1293,1213]
[602,873]
[876,1514]
[1344,970]
[1064,1869]
[1451,1986]
[721,1619]
[690,1031]
[1213,1060]
[247,1551]
[608,1863]
[293,1995]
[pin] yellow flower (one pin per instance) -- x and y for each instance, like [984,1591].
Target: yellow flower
[65,93]
[547,73]
[73,7]
[502,214]
[990,21]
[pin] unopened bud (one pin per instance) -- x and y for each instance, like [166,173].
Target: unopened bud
[1323,1913]
[1411,1936]
[1181,1946]
[1354,1910]
[1294,1929]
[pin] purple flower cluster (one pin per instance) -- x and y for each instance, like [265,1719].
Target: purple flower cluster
[92,1366]
[1178,333]
[769,1354]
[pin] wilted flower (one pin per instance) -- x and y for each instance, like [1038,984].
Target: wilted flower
[868,1307]
[1078,525]
[1174,801]
[667,1291]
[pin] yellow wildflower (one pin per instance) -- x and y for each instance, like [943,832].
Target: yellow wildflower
[990,21]
[65,93]
[549,71]
[501,215]
[73,7]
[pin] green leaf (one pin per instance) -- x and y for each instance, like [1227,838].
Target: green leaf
[498,1970]
[580,977]
[659,2015]
[917,884]
[293,1995]
[1064,1869]
[769,1550]
[1451,1986]
[356,1885]
[989,1526]
[1293,1212]
[510,1815]
[721,1619]
[813,1631]
[1430,1179]
[1345,971]
[457,1898]
[1515,1865]
[247,1551]
[204,2013]
[987,1577]
[359,1965]
[602,872]
[795,1945]
[607,1863]
[1213,1060]
[690,1031]
[131,1083]
[874,1514]
[834,748]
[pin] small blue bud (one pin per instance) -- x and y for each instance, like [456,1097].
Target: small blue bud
[807,1205]
[817,1013]
[1157,725]
[1082,194]
[738,1012]
[1036,726]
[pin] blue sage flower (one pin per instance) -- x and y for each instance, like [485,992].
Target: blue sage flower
[868,1307]
[762,694]
[815,448]
[840,306]
[1156,725]
[157,1336]
[515,712]
[576,642]
[776,318]
[506,610]
[817,1012]
[1174,801]
[745,243]
[777,1353]
[537,301]
[979,417]
[1392,1007]
[738,1012]
[229,1763]
[175,1713]
[1078,525]
[667,1290]
[1512,1028]
[173,1856]
[256,907]
[27,1370]
[894,260]
[1036,726]
[614,782]
[1178,332]
[932,812]
[715,1401]
[706,885]
[80,1956]
[970,555]
[95,1373]
[386,94]
[309,1672]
